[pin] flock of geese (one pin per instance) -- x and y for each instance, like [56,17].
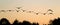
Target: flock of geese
[19,8]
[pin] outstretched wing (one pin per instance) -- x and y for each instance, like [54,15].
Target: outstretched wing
[50,10]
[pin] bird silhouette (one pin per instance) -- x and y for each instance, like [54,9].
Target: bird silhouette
[2,11]
[9,10]
[50,13]
[50,10]
[17,10]
[30,11]
[18,7]
[23,10]
[36,13]
[44,13]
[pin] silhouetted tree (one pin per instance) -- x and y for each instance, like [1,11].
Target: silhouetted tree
[0,21]
[26,23]
[44,24]
[55,22]
[35,24]
[4,21]
[16,22]
[20,23]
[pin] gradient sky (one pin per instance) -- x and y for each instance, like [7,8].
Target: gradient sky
[34,5]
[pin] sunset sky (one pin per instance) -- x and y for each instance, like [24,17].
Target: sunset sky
[30,5]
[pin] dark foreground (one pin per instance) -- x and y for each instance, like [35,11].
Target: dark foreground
[4,21]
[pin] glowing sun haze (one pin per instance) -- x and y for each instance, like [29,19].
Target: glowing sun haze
[33,5]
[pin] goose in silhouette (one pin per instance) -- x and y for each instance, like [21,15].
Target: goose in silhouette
[50,10]
[30,11]
[33,12]
[51,13]
[36,13]
[17,10]
[23,10]
[2,11]
[41,13]
[44,13]
[10,10]
[19,7]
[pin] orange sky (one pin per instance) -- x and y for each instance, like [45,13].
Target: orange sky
[42,19]
[32,5]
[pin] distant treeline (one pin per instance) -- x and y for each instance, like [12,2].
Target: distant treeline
[4,21]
